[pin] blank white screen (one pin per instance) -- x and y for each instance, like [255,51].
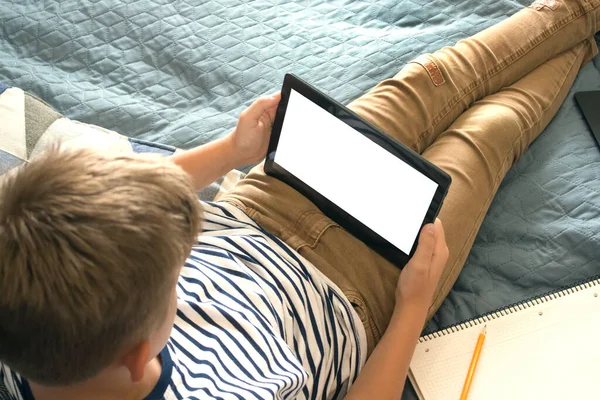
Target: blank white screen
[360,177]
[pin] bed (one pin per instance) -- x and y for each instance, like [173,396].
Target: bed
[179,72]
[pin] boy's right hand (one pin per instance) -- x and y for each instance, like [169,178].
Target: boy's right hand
[419,278]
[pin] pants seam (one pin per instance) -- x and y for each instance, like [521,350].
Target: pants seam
[237,204]
[318,238]
[503,66]
[369,324]
[302,217]
[498,176]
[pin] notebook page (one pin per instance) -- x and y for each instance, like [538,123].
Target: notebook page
[548,351]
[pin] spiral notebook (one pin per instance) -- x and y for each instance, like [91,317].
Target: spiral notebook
[544,348]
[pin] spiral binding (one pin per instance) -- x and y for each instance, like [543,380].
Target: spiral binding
[510,309]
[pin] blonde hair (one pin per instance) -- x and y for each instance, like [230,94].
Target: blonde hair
[90,245]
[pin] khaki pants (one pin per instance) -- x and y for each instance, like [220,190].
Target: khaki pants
[472,110]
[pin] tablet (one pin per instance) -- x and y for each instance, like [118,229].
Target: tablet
[373,186]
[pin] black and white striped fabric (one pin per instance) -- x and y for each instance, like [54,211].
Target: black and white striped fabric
[12,386]
[257,321]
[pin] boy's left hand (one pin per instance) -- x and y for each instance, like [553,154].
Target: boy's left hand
[250,139]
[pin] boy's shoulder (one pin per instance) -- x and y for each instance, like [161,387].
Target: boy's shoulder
[12,386]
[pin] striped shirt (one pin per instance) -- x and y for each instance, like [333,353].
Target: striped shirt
[255,320]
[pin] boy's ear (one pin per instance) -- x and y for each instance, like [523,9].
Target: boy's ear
[135,360]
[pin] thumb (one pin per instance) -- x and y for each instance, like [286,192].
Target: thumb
[259,106]
[426,246]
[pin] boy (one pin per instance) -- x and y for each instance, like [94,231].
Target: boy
[274,300]
[93,249]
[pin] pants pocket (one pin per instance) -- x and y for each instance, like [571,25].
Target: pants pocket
[361,309]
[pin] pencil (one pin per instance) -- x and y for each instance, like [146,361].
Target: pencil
[474,360]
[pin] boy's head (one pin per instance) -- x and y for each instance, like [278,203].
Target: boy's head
[90,249]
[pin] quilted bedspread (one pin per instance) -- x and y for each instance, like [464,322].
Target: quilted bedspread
[178,72]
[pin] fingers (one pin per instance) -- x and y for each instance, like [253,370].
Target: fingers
[261,105]
[426,246]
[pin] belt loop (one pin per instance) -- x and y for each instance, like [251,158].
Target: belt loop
[540,4]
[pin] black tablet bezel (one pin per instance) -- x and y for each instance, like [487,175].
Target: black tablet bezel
[347,221]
